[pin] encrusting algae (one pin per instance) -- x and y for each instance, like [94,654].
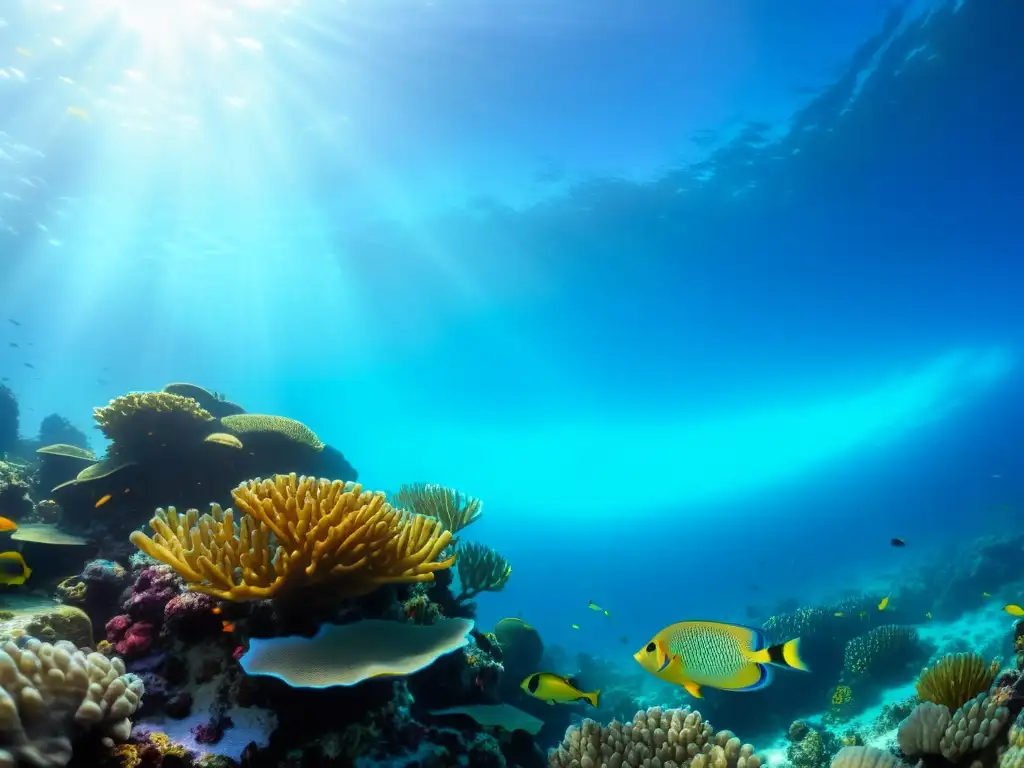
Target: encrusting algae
[295,532]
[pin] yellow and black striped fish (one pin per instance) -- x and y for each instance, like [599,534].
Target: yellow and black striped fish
[725,656]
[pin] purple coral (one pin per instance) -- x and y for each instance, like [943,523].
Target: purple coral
[153,589]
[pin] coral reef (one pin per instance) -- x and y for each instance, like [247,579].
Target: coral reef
[933,729]
[15,502]
[9,413]
[885,650]
[671,739]
[455,510]
[50,693]
[327,533]
[480,569]
[956,678]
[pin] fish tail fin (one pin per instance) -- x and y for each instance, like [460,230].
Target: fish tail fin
[782,655]
[785,654]
[592,698]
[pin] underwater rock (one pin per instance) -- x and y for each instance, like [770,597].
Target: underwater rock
[48,622]
[14,491]
[8,420]
[57,429]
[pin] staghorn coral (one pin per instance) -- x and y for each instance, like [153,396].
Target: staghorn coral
[455,510]
[293,533]
[480,569]
[253,424]
[671,739]
[955,678]
[50,692]
[131,419]
[867,652]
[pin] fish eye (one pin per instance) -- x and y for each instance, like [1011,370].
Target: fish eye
[650,647]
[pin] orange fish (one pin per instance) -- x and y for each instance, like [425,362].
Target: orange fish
[7,525]
[216,610]
[228,626]
[103,500]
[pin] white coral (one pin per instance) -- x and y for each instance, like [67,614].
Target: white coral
[51,692]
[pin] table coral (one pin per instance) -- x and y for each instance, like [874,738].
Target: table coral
[293,533]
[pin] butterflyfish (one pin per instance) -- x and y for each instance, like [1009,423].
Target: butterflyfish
[884,604]
[7,525]
[13,569]
[595,607]
[1013,609]
[555,689]
[729,657]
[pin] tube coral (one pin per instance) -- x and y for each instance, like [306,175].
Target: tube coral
[293,533]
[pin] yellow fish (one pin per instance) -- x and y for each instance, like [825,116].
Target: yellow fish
[553,688]
[78,112]
[103,500]
[23,51]
[1014,609]
[724,656]
[13,569]
[595,607]
[884,604]
[7,525]
[575,626]
[928,615]
[838,613]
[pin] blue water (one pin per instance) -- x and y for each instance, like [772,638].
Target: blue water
[706,300]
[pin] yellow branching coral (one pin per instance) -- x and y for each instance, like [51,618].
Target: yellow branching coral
[455,510]
[481,569]
[955,679]
[130,417]
[295,532]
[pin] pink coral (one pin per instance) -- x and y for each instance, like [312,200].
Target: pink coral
[117,626]
[137,640]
